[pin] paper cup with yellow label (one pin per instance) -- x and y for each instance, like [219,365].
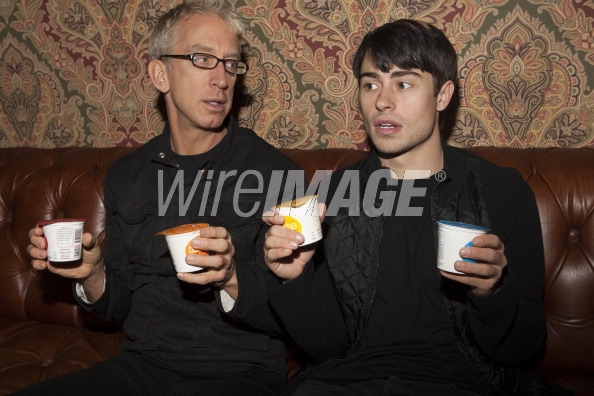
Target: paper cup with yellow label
[302,216]
[63,239]
[178,240]
[451,237]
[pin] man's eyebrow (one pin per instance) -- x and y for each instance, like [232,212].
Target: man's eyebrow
[369,75]
[403,73]
[394,74]
[197,48]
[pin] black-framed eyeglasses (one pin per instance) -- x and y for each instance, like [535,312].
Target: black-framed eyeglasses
[207,61]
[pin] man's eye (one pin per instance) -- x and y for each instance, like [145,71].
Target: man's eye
[369,86]
[202,59]
[404,85]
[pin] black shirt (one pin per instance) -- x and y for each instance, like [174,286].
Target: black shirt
[408,333]
[326,309]
[172,323]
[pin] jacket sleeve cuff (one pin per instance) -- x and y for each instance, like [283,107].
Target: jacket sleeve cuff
[227,302]
[501,303]
[82,300]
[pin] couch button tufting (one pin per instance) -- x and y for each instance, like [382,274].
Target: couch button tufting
[574,235]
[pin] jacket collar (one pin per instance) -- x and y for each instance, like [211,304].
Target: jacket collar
[454,160]
[164,155]
[456,164]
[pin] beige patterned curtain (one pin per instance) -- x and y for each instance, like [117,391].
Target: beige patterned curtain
[73,72]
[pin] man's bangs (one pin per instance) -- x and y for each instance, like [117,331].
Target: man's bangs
[385,60]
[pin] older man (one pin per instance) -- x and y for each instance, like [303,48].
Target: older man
[178,341]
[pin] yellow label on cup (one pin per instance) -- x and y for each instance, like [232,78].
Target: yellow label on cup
[301,215]
[292,224]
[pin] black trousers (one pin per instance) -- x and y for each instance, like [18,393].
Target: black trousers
[395,386]
[129,374]
[392,386]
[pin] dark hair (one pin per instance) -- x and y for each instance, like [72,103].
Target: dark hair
[409,44]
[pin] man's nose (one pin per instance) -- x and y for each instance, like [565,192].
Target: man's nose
[384,100]
[219,75]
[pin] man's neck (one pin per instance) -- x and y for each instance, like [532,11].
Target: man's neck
[415,164]
[195,142]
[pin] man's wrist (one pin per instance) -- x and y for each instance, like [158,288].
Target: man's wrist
[93,286]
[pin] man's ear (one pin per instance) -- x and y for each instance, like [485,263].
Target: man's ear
[158,72]
[445,95]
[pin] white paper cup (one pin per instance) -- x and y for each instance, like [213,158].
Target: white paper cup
[63,238]
[302,216]
[451,237]
[178,240]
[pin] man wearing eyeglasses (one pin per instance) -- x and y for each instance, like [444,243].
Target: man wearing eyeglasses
[178,340]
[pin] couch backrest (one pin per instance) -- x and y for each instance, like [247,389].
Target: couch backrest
[39,184]
[563,182]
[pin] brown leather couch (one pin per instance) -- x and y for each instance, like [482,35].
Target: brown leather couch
[44,334]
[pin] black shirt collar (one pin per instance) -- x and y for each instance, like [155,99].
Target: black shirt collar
[163,153]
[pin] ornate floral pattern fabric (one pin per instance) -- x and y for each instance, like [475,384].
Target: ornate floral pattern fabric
[73,72]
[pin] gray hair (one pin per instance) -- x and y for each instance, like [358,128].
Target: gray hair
[165,31]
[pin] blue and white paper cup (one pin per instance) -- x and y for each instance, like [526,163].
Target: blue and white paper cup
[451,237]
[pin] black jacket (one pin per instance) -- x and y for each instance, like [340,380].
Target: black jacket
[325,308]
[173,323]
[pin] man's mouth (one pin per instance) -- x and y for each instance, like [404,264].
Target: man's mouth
[385,124]
[387,127]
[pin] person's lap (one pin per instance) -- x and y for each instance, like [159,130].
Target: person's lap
[126,375]
[392,386]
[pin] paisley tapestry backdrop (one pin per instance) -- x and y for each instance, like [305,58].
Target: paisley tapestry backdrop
[73,72]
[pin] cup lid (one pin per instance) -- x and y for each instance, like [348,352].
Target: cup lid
[296,202]
[43,223]
[463,225]
[182,229]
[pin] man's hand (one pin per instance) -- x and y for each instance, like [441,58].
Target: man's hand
[218,266]
[91,256]
[282,251]
[484,275]
[89,271]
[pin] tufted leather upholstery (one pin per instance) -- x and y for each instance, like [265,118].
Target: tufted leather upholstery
[43,333]
[563,182]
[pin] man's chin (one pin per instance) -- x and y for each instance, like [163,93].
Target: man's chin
[216,126]
[390,152]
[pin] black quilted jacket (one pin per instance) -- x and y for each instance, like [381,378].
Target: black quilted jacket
[326,308]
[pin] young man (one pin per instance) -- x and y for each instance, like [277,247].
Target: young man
[178,341]
[374,313]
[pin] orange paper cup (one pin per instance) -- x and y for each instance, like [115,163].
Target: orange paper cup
[178,240]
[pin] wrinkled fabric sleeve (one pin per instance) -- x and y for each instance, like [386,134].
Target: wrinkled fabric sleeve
[308,308]
[115,302]
[251,306]
[509,325]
